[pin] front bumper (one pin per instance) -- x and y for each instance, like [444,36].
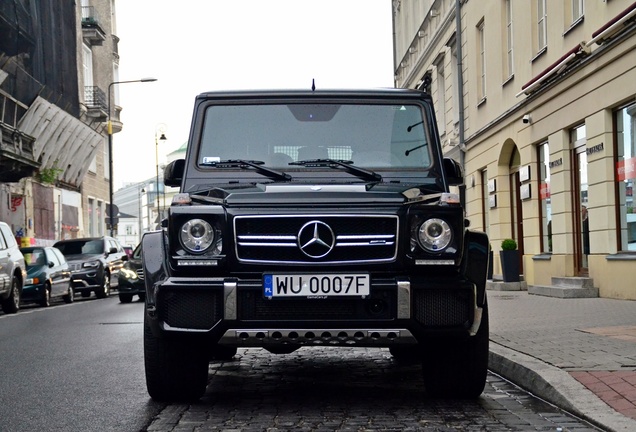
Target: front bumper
[126,286]
[32,293]
[235,312]
[87,281]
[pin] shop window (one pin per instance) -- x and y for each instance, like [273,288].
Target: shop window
[542,25]
[626,176]
[544,196]
[481,62]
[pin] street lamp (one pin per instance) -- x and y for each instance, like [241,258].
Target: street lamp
[160,129]
[109,125]
[141,226]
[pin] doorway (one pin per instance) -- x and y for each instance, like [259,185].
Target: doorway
[516,214]
[580,200]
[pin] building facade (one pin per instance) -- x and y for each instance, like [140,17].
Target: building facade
[57,63]
[538,100]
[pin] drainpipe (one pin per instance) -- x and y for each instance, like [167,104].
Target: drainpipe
[460,98]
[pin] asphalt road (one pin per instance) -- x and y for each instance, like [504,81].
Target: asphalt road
[76,367]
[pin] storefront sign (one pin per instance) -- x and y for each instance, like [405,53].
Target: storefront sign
[524,173]
[595,149]
[492,201]
[626,169]
[524,191]
[492,185]
[556,163]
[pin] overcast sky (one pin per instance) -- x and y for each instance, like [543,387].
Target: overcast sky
[203,45]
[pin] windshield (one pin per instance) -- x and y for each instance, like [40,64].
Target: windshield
[80,247]
[34,257]
[370,136]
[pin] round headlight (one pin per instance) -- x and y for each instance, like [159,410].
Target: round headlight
[435,235]
[197,235]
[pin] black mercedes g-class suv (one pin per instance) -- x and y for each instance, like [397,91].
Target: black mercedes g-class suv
[313,218]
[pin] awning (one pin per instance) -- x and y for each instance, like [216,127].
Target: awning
[61,140]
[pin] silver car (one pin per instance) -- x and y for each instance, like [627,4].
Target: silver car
[12,270]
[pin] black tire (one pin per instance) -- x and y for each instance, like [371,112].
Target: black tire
[86,294]
[104,290]
[406,353]
[125,298]
[46,296]
[176,370]
[457,368]
[12,304]
[222,352]
[69,297]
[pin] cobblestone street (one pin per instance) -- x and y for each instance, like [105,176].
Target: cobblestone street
[357,389]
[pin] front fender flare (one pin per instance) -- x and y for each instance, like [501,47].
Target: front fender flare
[475,262]
[154,262]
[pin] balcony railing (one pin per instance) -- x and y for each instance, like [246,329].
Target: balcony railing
[92,31]
[90,16]
[95,101]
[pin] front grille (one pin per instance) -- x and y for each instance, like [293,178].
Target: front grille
[316,239]
[443,308]
[75,266]
[191,309]
[254,307]
[140,273]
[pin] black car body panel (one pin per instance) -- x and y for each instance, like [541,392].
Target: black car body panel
[131,277]
[317,218]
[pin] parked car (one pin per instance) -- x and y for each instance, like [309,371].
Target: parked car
[131,278]
[48,276]
[94,262]
[12,270]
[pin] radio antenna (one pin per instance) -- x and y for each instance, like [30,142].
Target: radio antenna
[313,84]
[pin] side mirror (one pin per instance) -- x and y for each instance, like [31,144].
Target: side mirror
[453,172]
[51,264]
[173,173]
[112,250]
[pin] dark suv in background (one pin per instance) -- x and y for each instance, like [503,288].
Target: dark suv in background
[131,278]
[12,270]
[95,263]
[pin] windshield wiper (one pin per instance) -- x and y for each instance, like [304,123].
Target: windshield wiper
[244,164]
[346,164]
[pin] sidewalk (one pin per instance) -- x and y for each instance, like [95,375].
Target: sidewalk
[579,354]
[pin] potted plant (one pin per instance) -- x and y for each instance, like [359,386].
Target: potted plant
[509,257]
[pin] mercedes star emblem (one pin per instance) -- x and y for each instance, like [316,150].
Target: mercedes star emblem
[316,239]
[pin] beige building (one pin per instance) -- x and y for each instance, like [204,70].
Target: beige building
[98,67]
[545,127]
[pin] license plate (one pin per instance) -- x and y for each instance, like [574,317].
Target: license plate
[315,285]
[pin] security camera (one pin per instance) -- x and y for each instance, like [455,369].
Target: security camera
[526,119]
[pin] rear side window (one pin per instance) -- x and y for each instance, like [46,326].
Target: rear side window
[9,240]
[51,257]
[59,255]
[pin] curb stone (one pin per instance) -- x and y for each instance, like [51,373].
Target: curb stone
[557,387]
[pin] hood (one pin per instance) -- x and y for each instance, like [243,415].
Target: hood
[316,193]
[82,257]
